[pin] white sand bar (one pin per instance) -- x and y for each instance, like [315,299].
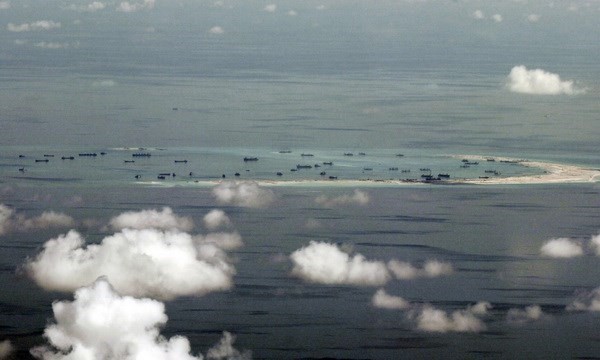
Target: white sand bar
[553,173]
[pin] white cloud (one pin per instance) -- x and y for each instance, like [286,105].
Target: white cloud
[225,241]
[497,18]
[270,8]
[6,349]
[533,18]
[224,350]
[127,7]
[243,193]
[539,82]
[52,45]
[595,244]
[520,316]
[325,263]
[383,300]
[104,83]
[562,248]
[146,262]
[478,14]
[4,5]
[101,324]
[91,7]
[430,319]
[216,30]
[215,219]
[146,219]
[11,221]
[586,301]
[34,26]
[357,198]
[292,13]
[406,271]
[480,309]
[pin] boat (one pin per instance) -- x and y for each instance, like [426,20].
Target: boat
[237,174]
[285,151]
[323,173]
[279,173]
[332,177]
[444,175]
[161,177]
[248,158]
[306,155]
[348,154]
[361,154]
[393,169]
[39,160]
[328,163]
[128,161]
[303,166]
[141,154]
[68,158]
[88,154]
[181,161]
[138,176]
[48,155]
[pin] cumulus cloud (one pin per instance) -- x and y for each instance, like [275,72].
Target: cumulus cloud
[34,26]
[243,193]
[154,219]
[216,30]
[101,324]
[6,349]
[222,240]
[497,18]
[52,45]
[91,7]
[215,219]
[478,14]
[383,300]
[406,271]
[325,263]
[430,319]
[357,198]
[127,7]
[595,244]
[539,82]
[586,301]
[562,248]
[147,262]
[104,83]
[270,8]
[11,221]
[520,316]
[292,13]
[533,18]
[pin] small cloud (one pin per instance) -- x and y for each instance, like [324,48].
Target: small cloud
[243,193]
[52,45]
[497,18]
[292,13]
[151,219]
[11,221]
[383,300]
[104,83]
[221,240]
[595,244]
[562,248]
[521,316]
[91,7]
[406,271]
[6,349]
[271,8]
[357,198]
[41,25]
[533,18]
[216,30]
[325,263]
[539,82]
[430,319]
[4,5]
[216,218]
[586,301]
[478,15]
[20,42]
[127,7]
[100,321]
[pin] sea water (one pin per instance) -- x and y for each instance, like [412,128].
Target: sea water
[358,80]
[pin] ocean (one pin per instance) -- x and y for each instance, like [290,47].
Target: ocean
[351,86]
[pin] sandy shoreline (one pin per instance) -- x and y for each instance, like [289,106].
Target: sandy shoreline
[554,173]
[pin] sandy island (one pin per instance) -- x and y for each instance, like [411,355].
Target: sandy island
[554,173]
